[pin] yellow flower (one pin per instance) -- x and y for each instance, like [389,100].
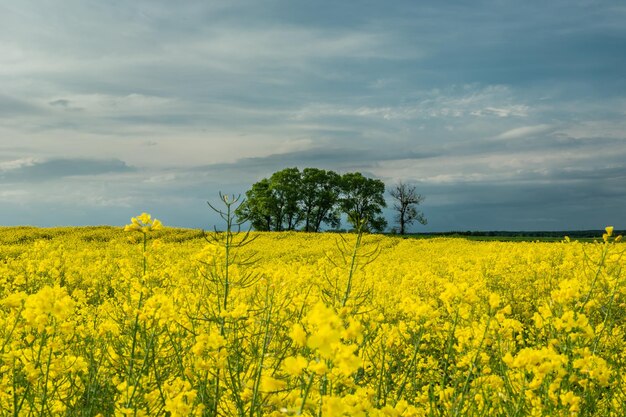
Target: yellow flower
[319,367]
[298,335]
[269,384]
[295,365]
[14,300]
[494,300]
[131,227]
[143,223]
[571,400]
[144,218]
[157,225]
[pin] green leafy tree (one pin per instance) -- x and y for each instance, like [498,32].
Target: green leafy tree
[320,194]
[363,200]
[274,203]
[312,198]
[260,206]
[285,187]
[406,199]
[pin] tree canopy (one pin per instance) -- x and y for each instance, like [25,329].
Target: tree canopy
[312,198]
[320,194]
[363,201]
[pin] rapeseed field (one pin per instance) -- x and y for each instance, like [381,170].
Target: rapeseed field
[153,321]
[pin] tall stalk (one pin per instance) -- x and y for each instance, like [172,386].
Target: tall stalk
[230,240]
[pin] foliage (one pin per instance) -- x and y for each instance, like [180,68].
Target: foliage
[312,198]
[320,194]
[231,324]
[260,207]
[285,186]
[274,203]
[362,200]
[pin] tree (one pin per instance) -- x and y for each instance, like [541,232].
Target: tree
[285,187]
[363,200]
[406,200]
[311,198]
[274,203]
[320,194]
[260,206]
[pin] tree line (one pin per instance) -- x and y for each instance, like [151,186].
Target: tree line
[313,198]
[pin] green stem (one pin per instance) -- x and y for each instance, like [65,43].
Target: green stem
[45,382]
[145,261]
[595,278]
[10,334]
[444,378]
[380,379]
[471,368]
[145,366]
[306,393]
[353,261]
[131,359]
[411,365]
[257,380]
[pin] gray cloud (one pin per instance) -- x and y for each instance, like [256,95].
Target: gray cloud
[558,204]
[28,170]
[328,158]
[10,107]
[60,103]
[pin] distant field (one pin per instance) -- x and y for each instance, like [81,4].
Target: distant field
[30,233]
[503,238]
[507,236]
[98,321]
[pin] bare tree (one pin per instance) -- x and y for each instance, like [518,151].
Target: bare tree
[406,200]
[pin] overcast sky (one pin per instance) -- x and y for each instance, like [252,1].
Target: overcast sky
[507,115]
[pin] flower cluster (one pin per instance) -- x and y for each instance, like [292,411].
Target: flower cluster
[143,223]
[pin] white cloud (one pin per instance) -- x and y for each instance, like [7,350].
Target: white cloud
[17,164]
[507,111]
[494,166]
[520,132]
[610,129]
[454,102]
[13,195]
[287,44]
[108,104]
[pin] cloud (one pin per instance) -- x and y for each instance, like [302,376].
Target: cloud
[508,111]
[451,103]
[520,132]
[17,164]
[341,159]
[102,105]
[10,107]
[60,103]
[611,128]
[12,194]
[34,170]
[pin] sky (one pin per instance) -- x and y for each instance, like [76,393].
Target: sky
[506,115]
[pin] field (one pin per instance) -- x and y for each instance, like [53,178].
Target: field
[154,321]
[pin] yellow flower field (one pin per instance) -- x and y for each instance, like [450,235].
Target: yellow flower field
[154,321]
